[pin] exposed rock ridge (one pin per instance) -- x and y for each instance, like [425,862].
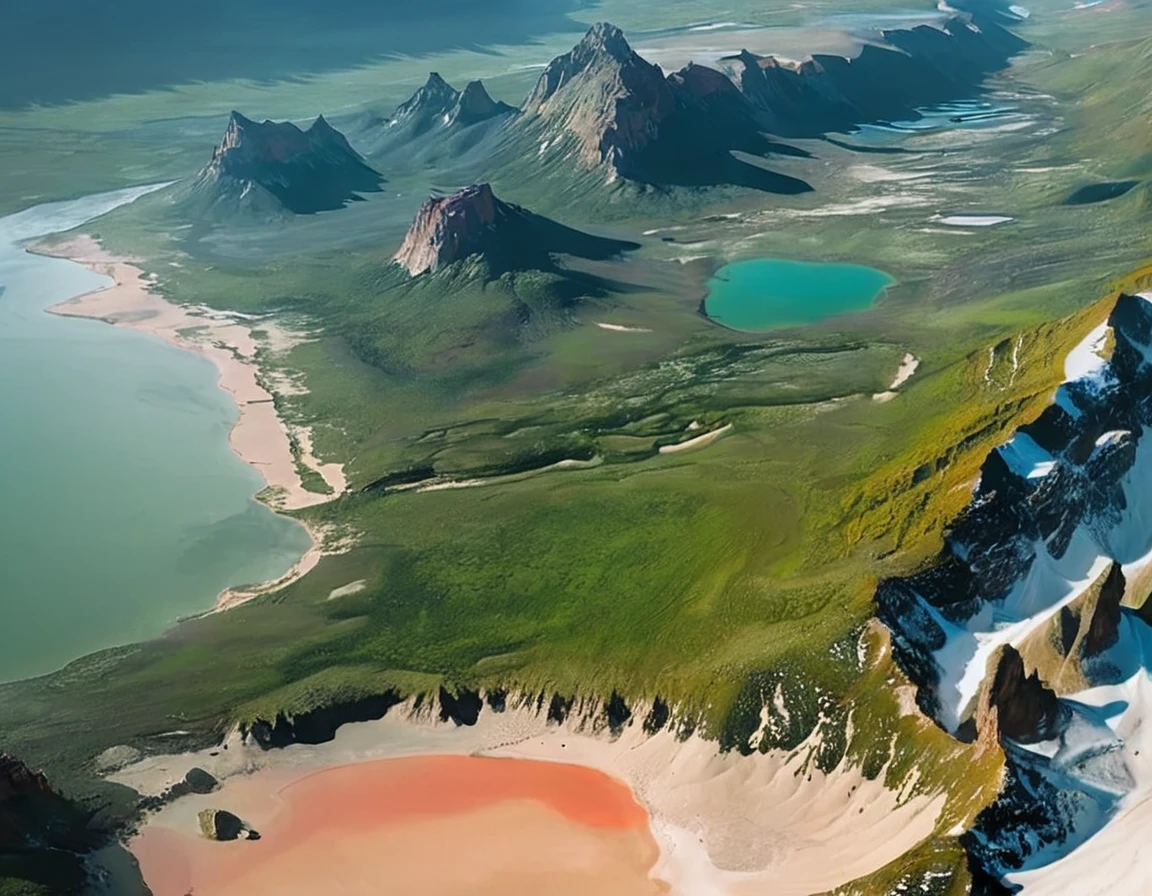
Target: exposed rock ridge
[911,68]
[438,102]
[1026,710]
[303,171]
[621,112]
[611,99]
[624,113]
[474,222]
[1029,602]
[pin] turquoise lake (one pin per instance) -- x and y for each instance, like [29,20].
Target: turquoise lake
[767,293]
[122,507]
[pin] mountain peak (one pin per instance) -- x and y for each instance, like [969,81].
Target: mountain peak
[602,53]
[435,97]
[604,37]
[449,228]
[613,101]
[307,171]
[474,222]
[475,104]
[438,102]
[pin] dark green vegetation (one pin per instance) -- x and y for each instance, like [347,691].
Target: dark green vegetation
[709,576]
[1101,192]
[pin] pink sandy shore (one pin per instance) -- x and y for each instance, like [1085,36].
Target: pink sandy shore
[423,825]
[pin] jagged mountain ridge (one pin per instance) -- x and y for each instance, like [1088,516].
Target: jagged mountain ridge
[275,167]
[1025,629]
[622,112]
[913,67]
[437,125]
[474,222]
[438,102]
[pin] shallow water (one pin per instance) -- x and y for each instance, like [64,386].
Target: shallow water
[435,825]
[767,293]
[122,507]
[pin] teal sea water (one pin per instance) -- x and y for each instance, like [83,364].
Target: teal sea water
[767,293]
[122,507]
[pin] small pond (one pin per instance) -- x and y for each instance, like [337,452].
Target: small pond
[767,293]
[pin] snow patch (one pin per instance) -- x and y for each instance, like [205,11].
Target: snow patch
[971,220]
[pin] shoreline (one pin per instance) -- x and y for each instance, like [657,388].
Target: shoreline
[258,436]
[725,824]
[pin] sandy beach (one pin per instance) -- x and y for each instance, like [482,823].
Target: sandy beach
[723,823]
[259,436]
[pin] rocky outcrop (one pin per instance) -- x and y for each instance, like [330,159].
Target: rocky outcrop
[196,780]
[438,103]
[270,165]
[620,111]
[887,80]
[657,716]
[44,837]
[559,708]
[474,222]
[219,824]
[497,699]
[473,105]
[461,706]
[1029,602]
[617,713]
[319,725]
[1026,710]
[116,758]
[608,97]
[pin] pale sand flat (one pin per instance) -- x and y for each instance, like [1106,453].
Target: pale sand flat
[725,824]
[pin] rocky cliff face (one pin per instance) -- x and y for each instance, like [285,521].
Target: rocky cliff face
[608,97]
[270,165]
[318,726]
[620,111]
[908,69]
[474,222]
[1025,624]
[450,228]
[44,837]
